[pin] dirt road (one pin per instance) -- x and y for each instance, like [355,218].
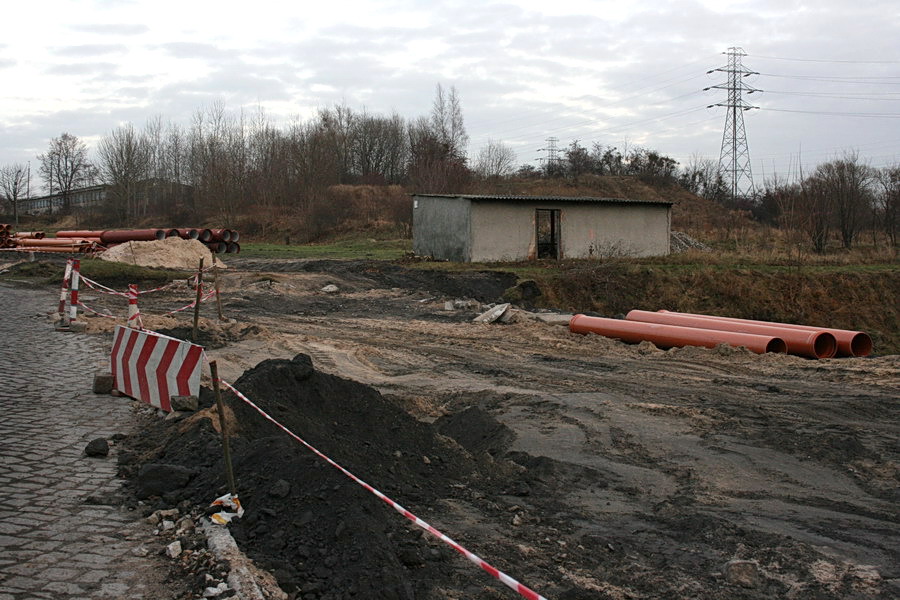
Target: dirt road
[607,470]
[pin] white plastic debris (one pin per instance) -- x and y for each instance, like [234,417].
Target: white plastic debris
[233,504]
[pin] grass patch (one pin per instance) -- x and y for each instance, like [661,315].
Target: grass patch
[351,248]
[112,274]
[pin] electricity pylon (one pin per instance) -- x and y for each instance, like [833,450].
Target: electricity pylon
[553,161]
[734,158]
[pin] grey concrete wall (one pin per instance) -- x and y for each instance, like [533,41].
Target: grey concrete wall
[505,231]
[441,228]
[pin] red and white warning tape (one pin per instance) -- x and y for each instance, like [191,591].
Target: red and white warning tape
[511,583]
[209,295]
[167,286]
[96,312]
[99,287]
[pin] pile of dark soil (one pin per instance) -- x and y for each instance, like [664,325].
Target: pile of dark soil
[321,534]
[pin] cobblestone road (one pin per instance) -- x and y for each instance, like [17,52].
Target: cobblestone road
[58,539]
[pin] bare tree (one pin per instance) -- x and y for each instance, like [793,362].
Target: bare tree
[815,205]
[848,182]
[124,163]
[888,203]
[578,161]
[495,160]
[447,122]
[13,185]
[65,167]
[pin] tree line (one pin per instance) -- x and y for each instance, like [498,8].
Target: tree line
[221,166]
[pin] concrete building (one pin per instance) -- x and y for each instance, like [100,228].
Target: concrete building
[469,228]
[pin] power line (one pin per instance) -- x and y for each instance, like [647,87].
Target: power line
[866,80]
[895,96]
[837,114]
[820,60]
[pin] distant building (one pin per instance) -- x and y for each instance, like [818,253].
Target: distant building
[471,228]
[82,198]
[149,195]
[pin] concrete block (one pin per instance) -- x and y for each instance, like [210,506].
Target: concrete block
[103,383]
[184,403]
[492,314]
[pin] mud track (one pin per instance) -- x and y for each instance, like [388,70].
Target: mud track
[621,471]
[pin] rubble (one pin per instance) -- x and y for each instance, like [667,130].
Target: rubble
[97,448]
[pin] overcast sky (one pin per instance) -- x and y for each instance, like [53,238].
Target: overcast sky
[619,72]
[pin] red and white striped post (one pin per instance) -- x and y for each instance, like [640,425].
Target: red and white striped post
[134,313]
[61,311]
[73,298]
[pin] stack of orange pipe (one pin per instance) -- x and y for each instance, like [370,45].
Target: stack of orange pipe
[849,342]
[6,236]
[812,343]
[671,329]
[672,336]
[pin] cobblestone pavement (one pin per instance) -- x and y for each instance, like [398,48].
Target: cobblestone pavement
[58,536]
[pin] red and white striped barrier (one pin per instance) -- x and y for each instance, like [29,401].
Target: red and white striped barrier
[508,581]
[153,367]
[63,289]
[134,313]
[73,292]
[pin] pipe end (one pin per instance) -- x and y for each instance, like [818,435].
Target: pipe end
[777,345]
[825,345]
[861,345]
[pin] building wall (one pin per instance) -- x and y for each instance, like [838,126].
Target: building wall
[441,228]
[505,231]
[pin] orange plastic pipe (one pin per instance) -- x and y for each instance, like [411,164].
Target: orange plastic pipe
[188,233]
[79,233]
[812,344]
[48,242]
[220,235]
[849,343]
[70,249]
[670,336]
[132,235]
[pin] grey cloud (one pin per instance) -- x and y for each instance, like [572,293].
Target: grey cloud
[113,29]
[194,50]
[83,69]
[233,85]
[5,63]
[90,50]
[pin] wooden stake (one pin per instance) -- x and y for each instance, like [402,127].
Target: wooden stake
[216,282]
[220,407]
[197,302]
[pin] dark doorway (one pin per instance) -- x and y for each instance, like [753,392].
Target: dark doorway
[547,226]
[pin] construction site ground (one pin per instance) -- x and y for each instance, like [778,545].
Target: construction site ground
[582,466]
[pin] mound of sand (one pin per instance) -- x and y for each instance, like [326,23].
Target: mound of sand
[170,253]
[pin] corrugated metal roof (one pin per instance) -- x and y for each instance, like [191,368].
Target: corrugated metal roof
[506,198]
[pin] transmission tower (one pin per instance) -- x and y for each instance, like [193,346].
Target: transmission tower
[553,159]
[734,158]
